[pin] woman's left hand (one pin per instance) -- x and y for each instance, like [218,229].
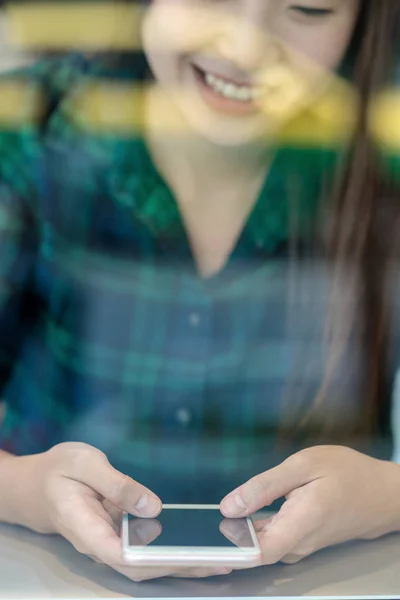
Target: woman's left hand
[333,494]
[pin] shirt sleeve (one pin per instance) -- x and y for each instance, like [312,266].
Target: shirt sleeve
[18,242]
[27,98]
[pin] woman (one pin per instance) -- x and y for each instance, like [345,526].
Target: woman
[152,307]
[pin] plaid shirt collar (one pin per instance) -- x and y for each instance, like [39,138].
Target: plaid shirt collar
[134,181]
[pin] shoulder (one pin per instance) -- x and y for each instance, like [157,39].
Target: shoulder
[28,98]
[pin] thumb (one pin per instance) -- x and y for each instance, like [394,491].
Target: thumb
[94,470]
[263,489]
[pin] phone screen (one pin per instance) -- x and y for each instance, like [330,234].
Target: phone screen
[190,527]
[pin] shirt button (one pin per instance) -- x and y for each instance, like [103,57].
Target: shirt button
[194,319]
[183,416]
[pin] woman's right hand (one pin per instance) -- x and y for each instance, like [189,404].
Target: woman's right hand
[73,490]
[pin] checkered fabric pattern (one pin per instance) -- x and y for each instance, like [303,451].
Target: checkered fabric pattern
[109,335]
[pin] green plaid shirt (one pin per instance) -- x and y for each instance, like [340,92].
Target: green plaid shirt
[110,337]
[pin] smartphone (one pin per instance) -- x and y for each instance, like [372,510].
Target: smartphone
[192,535]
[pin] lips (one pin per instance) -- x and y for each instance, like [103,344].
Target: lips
[224,96]
[229,80]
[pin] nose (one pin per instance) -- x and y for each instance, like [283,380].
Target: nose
[243,43]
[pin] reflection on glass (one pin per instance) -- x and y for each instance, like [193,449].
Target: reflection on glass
[190,527]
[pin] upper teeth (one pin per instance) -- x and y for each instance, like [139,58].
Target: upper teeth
[230,90]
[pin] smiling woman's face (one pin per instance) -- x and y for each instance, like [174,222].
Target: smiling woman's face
[237,68]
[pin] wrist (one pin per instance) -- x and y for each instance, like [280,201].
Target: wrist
[20,490]
[390,507]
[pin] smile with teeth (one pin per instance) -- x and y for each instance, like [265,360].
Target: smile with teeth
[231,91]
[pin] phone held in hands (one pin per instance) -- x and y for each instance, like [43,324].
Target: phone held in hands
[195,535]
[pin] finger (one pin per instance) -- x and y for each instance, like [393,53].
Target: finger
[90,529]
[202,573]
[288,533]
[114,512]
[262,525]
[138,574]
[91,467]
[262,490]
[293,559]
[98,508]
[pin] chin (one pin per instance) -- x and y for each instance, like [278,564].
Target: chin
[224,132]
[235,136]
[230,140]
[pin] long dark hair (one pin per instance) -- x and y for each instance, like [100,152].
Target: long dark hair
[363,215]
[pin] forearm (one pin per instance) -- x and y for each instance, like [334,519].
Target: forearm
[396,494]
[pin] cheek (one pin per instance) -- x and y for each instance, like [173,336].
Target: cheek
[324,49]
[181,25]
[165,37]
[324,44]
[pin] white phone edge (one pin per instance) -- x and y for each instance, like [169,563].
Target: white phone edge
[190,556]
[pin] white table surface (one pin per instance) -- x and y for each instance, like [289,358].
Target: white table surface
[34,566]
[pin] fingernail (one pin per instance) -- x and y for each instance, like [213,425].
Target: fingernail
[234,505]
[148,506]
